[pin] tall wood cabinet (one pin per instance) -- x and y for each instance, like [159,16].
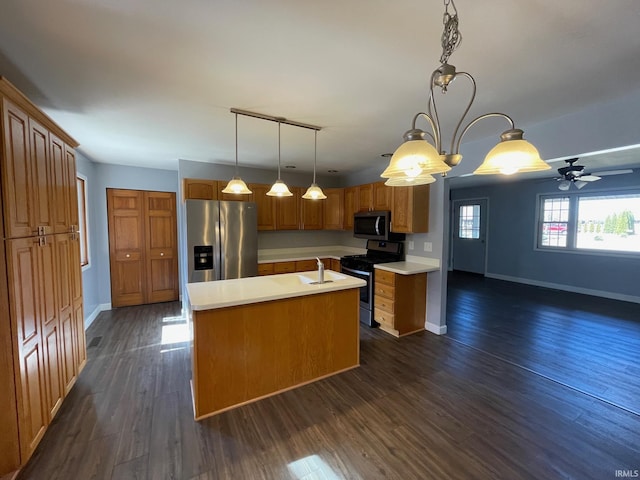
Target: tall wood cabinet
[143,252]
[42,338]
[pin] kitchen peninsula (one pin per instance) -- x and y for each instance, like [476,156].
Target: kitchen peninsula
[259,336]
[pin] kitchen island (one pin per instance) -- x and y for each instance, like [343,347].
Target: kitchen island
[259,336]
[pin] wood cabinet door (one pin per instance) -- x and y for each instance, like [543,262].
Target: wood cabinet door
[17,180]
[79,338]
[43,178]
[334,209]
[410,209]
[350,206]
[161,247]
[382,196]
[125,209]
[265,206]
[365,197]
[61,193]
[288,211]
[25,300]
[200,189]
[50,323]
[64,255]
[71,188]
[311,214]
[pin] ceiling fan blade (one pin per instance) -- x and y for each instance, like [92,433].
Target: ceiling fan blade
[613,172]
[588,178]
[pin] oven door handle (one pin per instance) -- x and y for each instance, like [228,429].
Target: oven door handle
[360,272]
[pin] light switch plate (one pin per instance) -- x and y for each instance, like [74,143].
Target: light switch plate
[428,246]
[410,244]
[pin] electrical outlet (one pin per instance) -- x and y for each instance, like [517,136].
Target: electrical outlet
[428,246]
[410,244]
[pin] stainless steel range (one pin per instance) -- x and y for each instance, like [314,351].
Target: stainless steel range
[361,266]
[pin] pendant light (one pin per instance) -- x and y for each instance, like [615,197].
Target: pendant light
[236,185]
[417,157]
[279,188]
[314,192]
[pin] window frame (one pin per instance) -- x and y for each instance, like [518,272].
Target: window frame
[83,220]
[473,229]
[572,224]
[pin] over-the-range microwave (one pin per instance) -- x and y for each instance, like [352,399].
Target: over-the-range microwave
[374,225]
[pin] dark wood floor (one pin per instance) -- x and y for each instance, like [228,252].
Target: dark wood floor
[420,407]
[589,343]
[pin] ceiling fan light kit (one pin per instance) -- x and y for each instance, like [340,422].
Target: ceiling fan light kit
[417,156]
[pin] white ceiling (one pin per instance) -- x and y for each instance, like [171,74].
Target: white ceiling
[148,82]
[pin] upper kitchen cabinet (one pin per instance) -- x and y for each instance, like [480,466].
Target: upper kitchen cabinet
[311,214]
[334,209]
[382,196]
[17,176]
[200,189]
[365,197]
[350,206]
[410,209]
[265,206]
[288,210]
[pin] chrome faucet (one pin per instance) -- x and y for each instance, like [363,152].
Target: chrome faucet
[320,271]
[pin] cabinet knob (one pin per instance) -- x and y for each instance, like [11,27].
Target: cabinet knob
[162,254]
[128,255]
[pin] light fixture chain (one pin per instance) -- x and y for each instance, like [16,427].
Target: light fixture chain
[451,36]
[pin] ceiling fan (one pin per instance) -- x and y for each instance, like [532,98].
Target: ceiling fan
[575,175]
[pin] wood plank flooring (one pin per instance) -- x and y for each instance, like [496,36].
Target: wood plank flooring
[589,343]
[419,407]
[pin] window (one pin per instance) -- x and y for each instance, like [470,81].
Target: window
[81,183]
[469,221]
[555,220]
[591,222]
[609,222]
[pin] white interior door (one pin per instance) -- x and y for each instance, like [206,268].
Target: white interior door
[470,235]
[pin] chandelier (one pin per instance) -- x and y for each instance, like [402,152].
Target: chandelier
[417,159]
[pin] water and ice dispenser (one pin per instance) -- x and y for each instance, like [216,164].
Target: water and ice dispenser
[203,257]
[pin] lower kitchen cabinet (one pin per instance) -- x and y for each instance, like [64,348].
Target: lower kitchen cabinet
[400,302]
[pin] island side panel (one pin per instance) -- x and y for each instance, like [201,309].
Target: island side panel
[247,352]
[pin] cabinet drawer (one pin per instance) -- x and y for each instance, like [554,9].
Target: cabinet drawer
[383,303]
[306,265]
[385,277]
[284,267]
[265,269]
[384,290]
[385,318]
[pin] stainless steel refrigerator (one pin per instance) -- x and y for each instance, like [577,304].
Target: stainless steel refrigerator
[222,240]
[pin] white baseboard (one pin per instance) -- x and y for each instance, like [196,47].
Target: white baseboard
[566,288]
[100,308]
[437,329]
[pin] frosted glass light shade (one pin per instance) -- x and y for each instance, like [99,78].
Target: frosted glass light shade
[314,192]
[237,186]
[409,181]
[413,158]
[511,156]
[279,189]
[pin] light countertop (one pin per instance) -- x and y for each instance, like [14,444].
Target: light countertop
[411,266]
[306,253]
[244,291]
